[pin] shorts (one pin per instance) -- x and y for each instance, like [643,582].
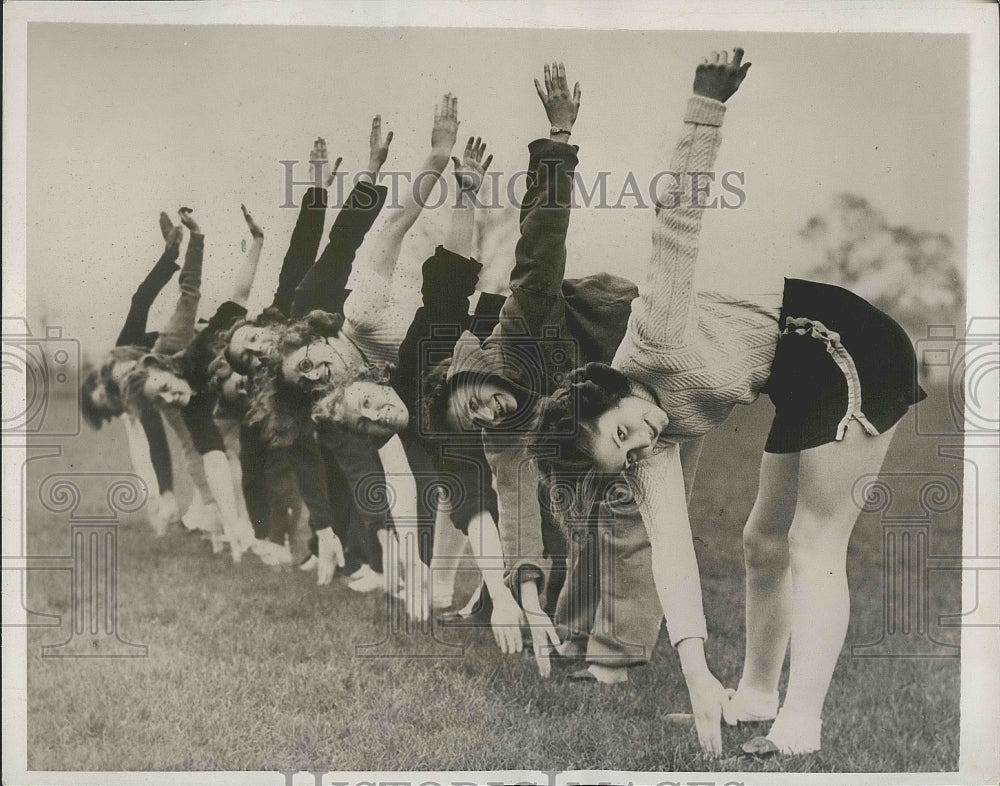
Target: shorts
[838,359]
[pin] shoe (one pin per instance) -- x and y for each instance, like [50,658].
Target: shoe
[761,747]
[363,572]
[606,675]
[272,554]
[309,563]
[369,583]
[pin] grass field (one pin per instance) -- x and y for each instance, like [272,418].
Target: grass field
[253,668]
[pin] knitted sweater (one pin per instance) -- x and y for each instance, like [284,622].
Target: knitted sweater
[697,355]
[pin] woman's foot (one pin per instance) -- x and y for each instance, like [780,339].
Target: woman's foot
[749,705]
[790,734]
[606,675]
[369,582]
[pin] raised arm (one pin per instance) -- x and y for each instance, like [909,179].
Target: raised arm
[470,173]
[540,254]
[390,239]
[179,330]
[244,274]
[664,313]
[325,285]
[134,329]
[308,232]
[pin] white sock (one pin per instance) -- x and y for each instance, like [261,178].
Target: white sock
[795,733]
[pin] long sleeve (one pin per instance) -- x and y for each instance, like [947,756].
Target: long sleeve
[138,449]
[192,458]
[310,470]
[658,483]
[665,312]
[448,280]
[540,254]
[159,448]
[179,330]
[134,329]
[520,521]
[324,286]
[302,248]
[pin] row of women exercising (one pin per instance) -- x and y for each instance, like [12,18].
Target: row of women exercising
[413,414]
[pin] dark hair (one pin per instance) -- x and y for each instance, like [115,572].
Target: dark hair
[435,400]
[561,438]
[95,414]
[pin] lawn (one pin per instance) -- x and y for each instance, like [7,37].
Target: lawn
[255,668]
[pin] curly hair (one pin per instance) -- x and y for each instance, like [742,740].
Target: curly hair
[329,398]
[435,400]
[269,317]
[563,432]
[133,392]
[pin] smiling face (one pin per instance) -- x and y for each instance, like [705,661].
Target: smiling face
[372,409]
[626,433]
[475,404]
[248,345]
[315,364]
[166,388]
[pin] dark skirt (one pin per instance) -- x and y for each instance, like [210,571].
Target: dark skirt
[838,360]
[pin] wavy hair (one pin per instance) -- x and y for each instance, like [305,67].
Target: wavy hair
[329,398]
[561,440]
[133,391]
[269,317]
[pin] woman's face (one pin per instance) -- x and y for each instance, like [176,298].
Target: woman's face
[317,363]
[234,390]
[475,404]
[249,344]
[373,410]
[166,388]
[626,433]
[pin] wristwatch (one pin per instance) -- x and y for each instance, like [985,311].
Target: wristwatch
[558,130]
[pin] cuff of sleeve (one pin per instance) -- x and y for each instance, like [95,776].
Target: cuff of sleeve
[704,111]
[196,240]
[522,572]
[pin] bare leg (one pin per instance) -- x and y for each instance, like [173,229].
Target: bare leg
[768,588]
[824,518]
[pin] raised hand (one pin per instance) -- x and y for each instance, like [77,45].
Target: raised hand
[171,234]
[255,230]
[561,106]
[445,127]
[377,146]
[318,161]
[471,170]
[717,77]
[188,220]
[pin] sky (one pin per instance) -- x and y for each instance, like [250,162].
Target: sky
[125,121]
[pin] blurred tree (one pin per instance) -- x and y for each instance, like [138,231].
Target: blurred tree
[909,274]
